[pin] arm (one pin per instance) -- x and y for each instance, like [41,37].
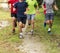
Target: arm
[14,9]
[37,10]
[55,7]
[27,9]
[9,4]
[36,7]
[15,6]
[43,6]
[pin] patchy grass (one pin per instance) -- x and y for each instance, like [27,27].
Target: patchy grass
[52,42]
[9,41]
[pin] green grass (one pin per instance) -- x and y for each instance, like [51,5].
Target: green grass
[8,41]
[50,41]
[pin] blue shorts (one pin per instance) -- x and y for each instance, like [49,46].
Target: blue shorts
[13,15]
[30,16]
[49,16]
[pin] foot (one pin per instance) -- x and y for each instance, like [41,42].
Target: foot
[31,32]
[49,30]
[21,35]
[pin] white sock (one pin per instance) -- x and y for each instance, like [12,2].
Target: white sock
[31,30]
[49,29]
[21,33]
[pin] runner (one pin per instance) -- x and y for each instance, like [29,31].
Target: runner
[21,7]
[32,6]
[49,15]
[13,14]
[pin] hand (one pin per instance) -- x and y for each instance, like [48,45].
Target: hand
[56,9]
[28,9]
[44,8]
[14,9]
[25,13]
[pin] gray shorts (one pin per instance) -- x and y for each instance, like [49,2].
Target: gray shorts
[30,16]
[49,16]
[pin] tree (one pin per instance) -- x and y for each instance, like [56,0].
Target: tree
[39,2]
[57,1]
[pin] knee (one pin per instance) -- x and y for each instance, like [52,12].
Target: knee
[23,25]
[20,24]
[13,19]
[32,22]
[48,22]
[51,21]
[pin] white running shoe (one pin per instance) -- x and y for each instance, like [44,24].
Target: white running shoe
[21,35]
[32,32]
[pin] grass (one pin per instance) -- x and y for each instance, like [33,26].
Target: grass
[10,41]
[51,41]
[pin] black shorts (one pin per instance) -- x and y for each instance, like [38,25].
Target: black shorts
[13,15]
[22,19]
[49,16]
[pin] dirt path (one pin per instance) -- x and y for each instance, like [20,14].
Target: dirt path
[4,24]
[31,44]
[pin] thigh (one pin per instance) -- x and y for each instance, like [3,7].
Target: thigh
[46,17]
[32,16]
[51,16]
[29,17]
[19,19]
[14,16]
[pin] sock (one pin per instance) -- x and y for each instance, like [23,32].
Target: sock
[31,30]
[44,24]
[21,33]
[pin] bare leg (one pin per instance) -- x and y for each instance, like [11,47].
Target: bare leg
[13,23]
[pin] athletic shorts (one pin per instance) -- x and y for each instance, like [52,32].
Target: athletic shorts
[49,16]
[30,16]
[13,15]
[22,19]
